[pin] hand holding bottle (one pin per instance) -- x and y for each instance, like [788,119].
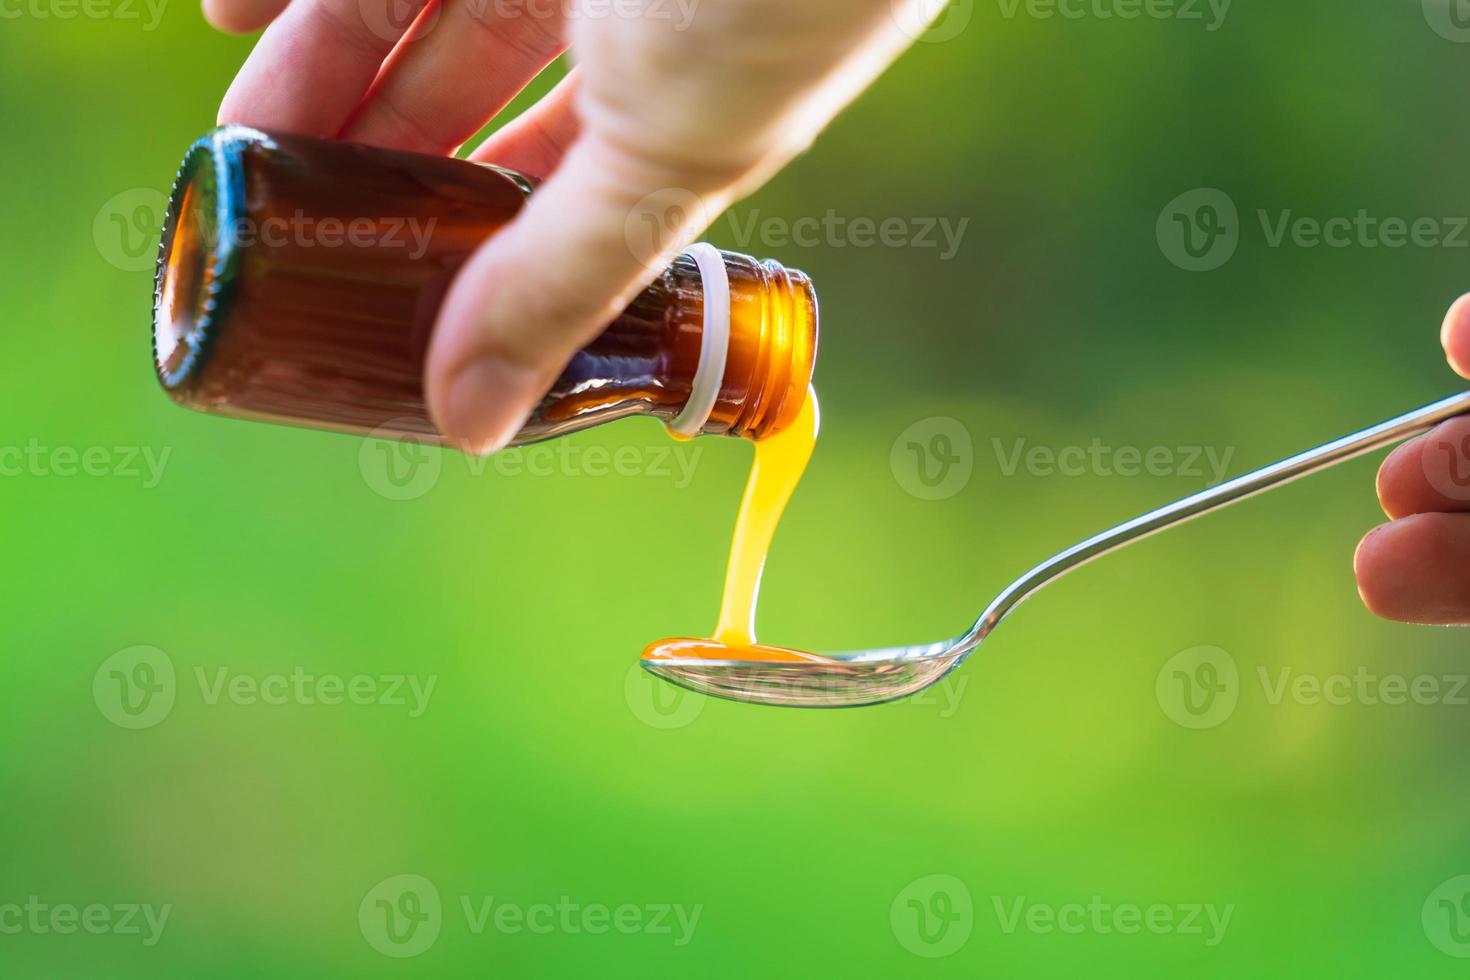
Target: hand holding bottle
[681,106]
[1417,568]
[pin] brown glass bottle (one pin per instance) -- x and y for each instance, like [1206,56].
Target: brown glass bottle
[299,281]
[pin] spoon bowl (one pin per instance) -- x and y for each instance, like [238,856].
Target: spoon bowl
[866,677]
[841,680]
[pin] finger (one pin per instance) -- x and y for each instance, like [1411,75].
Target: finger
[534,142]
[438,91]
[242,16]
[1428,474]
[1455,335]
[1417,570]
[313,64]
[544,286]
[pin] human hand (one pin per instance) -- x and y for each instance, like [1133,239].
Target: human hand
[691,102]
[1417,568]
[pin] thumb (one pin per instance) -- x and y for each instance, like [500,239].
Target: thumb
[600,228]
[1455,335]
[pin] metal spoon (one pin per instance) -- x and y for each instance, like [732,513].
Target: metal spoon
[876,676]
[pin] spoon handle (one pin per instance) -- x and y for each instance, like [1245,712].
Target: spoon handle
[1277,474]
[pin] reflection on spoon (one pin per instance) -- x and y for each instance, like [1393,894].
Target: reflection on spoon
[793,679]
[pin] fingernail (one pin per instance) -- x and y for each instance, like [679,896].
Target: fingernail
[488,402]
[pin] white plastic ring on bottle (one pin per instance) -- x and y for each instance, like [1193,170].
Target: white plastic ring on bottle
[714,344]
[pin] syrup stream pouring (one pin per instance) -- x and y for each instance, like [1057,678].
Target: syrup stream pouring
[875,676]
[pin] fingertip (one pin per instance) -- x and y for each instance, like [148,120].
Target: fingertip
[482,405]
[216,15]
[239,16]
[1428,474]
[234,108]
[1400,478]
[1454,335]
[1389,583]
[1413,570]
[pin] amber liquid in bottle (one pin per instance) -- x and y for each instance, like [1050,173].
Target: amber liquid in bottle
[299,280]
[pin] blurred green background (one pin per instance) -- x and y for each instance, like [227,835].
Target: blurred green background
[1067,765]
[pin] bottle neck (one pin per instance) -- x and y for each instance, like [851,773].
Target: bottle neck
[773,349]
[718,344]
